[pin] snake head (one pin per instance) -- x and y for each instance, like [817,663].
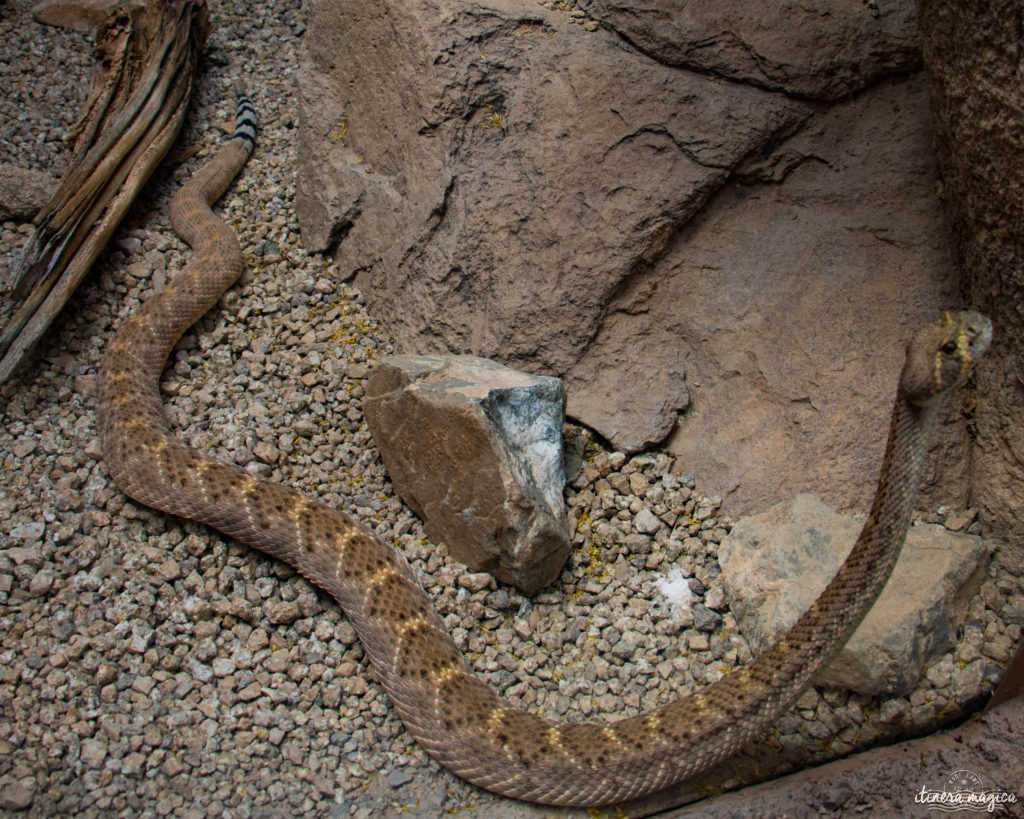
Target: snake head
[940,356]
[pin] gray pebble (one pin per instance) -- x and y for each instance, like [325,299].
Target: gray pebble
[646,522]
[16,795]
[281,612]
[476,581]
[27,531]
[200,671]
[500,600]
[223,666]
[715,599]
[704,619]
[141,636]
[197,609]
[399,777]
[41,583]
[94,752]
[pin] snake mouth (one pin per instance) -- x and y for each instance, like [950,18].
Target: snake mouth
[978,333]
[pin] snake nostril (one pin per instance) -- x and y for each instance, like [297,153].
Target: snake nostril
[980,333]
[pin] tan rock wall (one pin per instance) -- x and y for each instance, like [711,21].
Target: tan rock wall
[973,55]
[709,218]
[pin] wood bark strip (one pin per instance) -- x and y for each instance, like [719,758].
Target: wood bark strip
[136,106]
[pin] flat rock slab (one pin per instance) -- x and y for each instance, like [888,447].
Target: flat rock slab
[777,563]
[475,449]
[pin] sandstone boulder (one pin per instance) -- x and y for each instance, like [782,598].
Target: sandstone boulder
[777,563]
[733,243]
[475,449]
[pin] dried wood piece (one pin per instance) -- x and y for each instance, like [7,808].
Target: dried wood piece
[135,109]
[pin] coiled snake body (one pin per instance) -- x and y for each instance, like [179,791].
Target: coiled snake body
[455,716]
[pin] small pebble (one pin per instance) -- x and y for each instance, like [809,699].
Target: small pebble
[16,796]
[476,581]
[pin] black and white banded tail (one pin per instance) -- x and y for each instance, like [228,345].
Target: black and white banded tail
[245,120]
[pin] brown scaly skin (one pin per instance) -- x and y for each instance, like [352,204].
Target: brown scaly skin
[455,716]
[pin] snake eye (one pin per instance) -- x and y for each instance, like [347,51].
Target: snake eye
[949,348]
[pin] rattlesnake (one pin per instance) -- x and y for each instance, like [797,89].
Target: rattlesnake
[454,715]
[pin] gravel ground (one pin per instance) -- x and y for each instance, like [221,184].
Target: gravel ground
[147,665]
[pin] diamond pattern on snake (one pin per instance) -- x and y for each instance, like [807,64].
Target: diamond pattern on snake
[456,717]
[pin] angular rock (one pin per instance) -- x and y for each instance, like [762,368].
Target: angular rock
[25,555]
[27,531]
[475,449]
[647,522]
[775,565]
[23,192]
[704,619]
[141,637]
[662,238]
[41,582]
[93,752]
[16,796]
[281,612]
